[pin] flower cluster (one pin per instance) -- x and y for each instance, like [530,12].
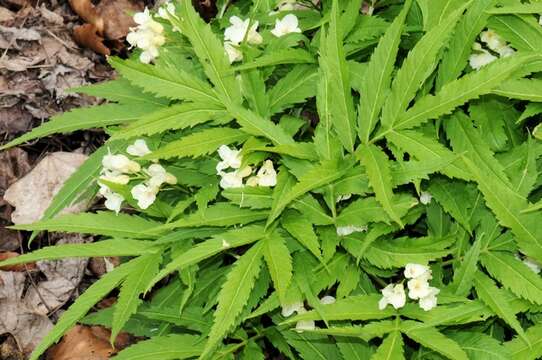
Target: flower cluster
[147,36]
[266,176]
[118,169]
[299,308]
[493,42]
[418,289]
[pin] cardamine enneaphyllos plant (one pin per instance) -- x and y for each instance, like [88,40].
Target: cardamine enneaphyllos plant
[320,180]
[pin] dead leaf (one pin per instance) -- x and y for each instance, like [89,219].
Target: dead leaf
[51,16]
[9,240]
[12,34]
[102,265]
[20,267]
[87,36]
[88,12]
[6,15]
[14,164]
[62,78]
[32,194]
[63,277]
[14,120]
[117,17]
[10,351]
[27,327]
[89,343]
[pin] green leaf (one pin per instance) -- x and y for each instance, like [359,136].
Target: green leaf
[174,117]
[234,294]
[210,51]
[170,347]
[378,171]
[208,248]
[279,57]
[312,346]
[253,197]
[322,174]
[520,350]
[82,305]
[301,229]
[177,84]
[200,143]
[111,247]
[514,275]
[336,79]
[86,118]
[418,65]
[132,287]
[455,198]
[376,83]
[521,89]
[279,263]
[431,338]
[480,346]
[522,31]
[534,8]
[469,27]
[100,223]
[366,210]
[488,292]
[464,274]
[464,313]
[363,307]
[298,85]
[352,348]
[391,348]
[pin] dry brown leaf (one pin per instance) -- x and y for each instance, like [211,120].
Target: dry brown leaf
[51,16]
[63,276]
[117,17]
[27,327]
[9,240]
[14,120]
[14,164]
[86,35]
[102,265]
[88,12]
[20,267]
[89,343]
[10,351]
[6,14]
[32,194]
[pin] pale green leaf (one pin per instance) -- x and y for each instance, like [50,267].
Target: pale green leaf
[391,348]
[279,263]
[169,347]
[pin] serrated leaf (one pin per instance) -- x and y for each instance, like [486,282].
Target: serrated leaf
[464,274]
[173,85]
[454,197]
[468,312]
[480,346]
[519,350]
[533,8]
[312,346]
[363,211]
[431,338]
[377,166]
[295,87]
[119,90]
[82,305]
[522,31]
[112,247]
[132,287]
[100,223]
[200,143]
[301,229]
[211,247]
[335,72]
[521,89]
[514,275]
[391,348]
[378,75]
[234,294]
[169,347]
[279,57]
[488,292]
[279,263]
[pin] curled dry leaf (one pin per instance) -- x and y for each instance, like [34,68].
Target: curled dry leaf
[108,20]
[32,194]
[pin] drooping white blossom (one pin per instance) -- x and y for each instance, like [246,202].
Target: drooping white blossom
[147,36]
[113,201]
[394,295]
[159,176]
[236,32]
[417,270]
[267,176]
[425,197]
[138,148]
[480,58]
[287,25]
[430,301]
[327,300]
[231,158]
[233,52]
[289,309]
[350,229]
[115,177]
[234,179]
[167,11]
[144,194]
[343,197]
[120,164]
[418,287]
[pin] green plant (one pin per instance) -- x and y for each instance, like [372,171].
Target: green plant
[378,147]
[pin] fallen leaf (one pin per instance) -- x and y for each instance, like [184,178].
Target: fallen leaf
[89,343]
[14,164]
[117,17]
[10,351]
[14,120]
[6,14]
[102,265]
[12,34]
[62,278]
[9,240]
[32,194]
[87,36]
[20,267]
[26,326]
[51,16]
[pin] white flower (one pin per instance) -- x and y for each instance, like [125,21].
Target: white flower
[343,197]
[425,197]
[113,201]
[233,52]
[430,301]
[393,295]
[147,36]
[166,11]
[418,288]
[532,264]
[327,300]
[540,20]
[492,40]
[142,18]
[304,325]
[506,51]
[238,29]
[481,58]
[231,158]
[288,24]
[144,194]
[350,229]
[225,244]
[120,164]
[267,176]
[234,179]
[159,175]
[252,181]
[417,270]
[138,148]
[115,177]
[290,309]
